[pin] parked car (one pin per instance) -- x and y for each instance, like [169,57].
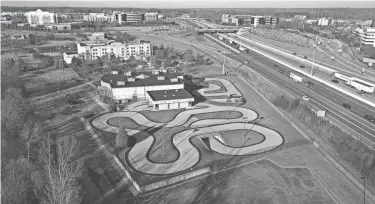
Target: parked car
[370,118]
[294,53]
[302,66]
[305,57]
[346,105]
[306,98]
[275,65]
[335,81]
[246,62]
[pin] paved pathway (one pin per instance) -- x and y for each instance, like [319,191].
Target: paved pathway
[231,89]
[188,154]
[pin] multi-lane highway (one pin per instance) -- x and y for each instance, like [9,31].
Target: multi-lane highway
[322,97]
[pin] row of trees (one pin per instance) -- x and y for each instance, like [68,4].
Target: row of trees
[36,167]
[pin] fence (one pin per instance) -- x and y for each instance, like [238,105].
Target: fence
[122,167]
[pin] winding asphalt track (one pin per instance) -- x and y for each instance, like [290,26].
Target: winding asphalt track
[188,154]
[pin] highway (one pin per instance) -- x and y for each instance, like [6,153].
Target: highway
[321,97]
[355,73]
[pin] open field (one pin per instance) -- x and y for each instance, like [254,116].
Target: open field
[45,81]
[259,182]
[294,175]
[99,177]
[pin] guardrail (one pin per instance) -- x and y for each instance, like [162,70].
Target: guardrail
[297,70]
[231,48]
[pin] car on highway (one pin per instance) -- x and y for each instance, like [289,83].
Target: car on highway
[305,57]
[219,50]
[246,62]
[275,65]
[302,66]
[346,105]
[294,53]
[306,98]
[146,33]
[335,81]
[280,70]
[370,118]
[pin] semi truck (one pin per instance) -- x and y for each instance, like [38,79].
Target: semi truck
[296,78]
[361,85]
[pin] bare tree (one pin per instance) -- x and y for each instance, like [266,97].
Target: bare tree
[30,134]
[15,181]
[56,182]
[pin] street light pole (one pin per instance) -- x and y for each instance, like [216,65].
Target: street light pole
[260,118]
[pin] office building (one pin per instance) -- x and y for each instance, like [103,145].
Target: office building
[40,17]
[151,16]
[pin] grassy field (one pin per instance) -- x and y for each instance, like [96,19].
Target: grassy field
[99,177]
[235,138]
[260,182]
[50,80]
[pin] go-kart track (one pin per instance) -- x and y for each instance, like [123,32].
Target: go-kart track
[189,154]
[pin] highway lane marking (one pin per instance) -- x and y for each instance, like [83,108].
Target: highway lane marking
[350,99]
[319,103]
[334,113]
[315,60]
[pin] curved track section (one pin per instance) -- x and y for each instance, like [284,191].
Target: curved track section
[188,154]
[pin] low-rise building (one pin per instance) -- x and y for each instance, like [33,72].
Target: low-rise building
[169,99]
[68,56]
[151,16]
[323,21]
[300,17]
[160,87]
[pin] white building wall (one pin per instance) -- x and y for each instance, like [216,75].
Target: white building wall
[140,92]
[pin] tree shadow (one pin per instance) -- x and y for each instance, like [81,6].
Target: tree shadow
[95,178]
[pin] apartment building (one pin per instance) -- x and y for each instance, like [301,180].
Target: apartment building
[40,17]
[124,51]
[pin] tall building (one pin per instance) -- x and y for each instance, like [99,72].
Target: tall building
[40,17]
[124,51]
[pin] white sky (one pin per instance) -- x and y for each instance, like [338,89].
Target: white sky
[195,3]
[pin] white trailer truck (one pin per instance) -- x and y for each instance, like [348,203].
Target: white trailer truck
[296,78]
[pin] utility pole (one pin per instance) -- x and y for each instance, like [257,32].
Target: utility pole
[364,190]
[312,65]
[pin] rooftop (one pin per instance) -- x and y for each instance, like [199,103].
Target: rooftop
[139,79]
[173,94]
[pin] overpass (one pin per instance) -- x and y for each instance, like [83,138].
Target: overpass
[217,30]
